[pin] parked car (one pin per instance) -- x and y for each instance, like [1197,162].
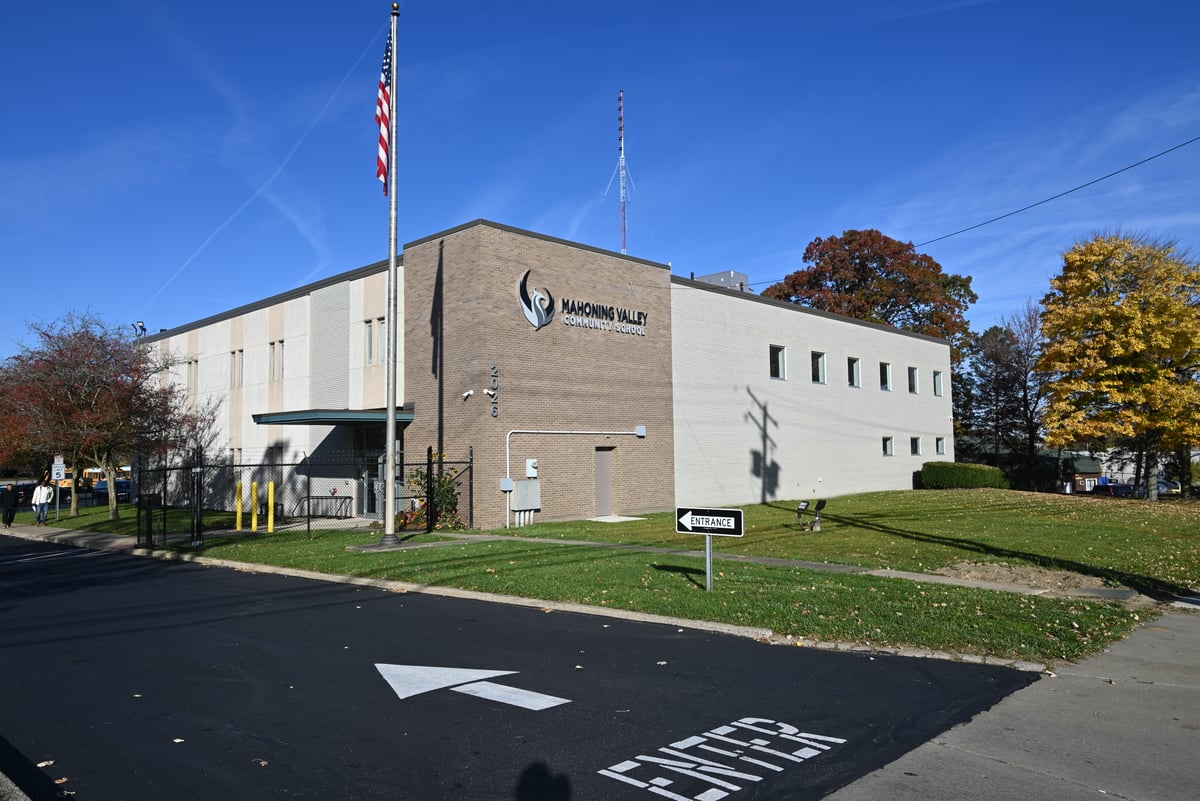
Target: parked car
[1166,489]
[1169,488]
[100,490]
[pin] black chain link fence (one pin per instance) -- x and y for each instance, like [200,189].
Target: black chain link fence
[335,492]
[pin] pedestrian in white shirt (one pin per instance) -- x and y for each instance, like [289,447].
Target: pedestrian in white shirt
[42,496]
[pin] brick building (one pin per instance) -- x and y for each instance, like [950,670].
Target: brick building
[519,347]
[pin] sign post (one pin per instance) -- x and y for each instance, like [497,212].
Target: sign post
[711,523]
[58,472]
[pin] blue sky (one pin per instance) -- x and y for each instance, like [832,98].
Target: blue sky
[164,161]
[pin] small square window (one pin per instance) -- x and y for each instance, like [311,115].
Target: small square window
[853,373]
[888,447]
[818,367]
[779,362]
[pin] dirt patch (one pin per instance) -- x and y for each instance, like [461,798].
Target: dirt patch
[1054,582]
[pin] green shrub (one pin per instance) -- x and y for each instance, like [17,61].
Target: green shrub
[445,492]
[961,475]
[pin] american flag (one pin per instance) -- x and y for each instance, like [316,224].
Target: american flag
[383,111]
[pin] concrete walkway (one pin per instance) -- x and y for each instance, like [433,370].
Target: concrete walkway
[1123,724]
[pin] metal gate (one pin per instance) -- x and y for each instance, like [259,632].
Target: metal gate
[181,502]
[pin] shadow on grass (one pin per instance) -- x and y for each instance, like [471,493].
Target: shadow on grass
[689,573]
[1154,588]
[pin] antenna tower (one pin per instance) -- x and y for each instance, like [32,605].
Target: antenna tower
[621,159]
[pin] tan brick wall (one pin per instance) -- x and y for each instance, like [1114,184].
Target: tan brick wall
[560,378]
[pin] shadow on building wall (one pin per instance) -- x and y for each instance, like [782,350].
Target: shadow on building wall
[762,462]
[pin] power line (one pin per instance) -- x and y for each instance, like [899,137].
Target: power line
[1041,202]
[1060,194]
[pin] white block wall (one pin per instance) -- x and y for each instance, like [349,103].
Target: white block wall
[743,437]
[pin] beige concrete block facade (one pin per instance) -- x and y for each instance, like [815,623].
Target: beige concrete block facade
[602,364]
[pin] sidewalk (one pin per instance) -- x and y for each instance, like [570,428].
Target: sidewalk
[1123,724]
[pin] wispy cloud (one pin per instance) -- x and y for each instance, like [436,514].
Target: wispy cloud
[251,142]
[39,190]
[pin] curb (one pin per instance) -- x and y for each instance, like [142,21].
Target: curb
[760,634]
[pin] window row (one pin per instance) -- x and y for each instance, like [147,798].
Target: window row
[778,369]
[237,365]
[914,446]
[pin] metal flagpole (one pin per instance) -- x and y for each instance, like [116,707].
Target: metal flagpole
[389,505]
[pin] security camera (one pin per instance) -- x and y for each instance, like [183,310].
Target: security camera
[490,392]
[468,393]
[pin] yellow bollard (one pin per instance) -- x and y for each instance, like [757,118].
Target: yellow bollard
[239,506]
[271,508]
[254,506]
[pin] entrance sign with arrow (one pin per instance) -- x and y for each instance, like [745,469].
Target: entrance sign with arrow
[710,523]
[719,522]
[410,680]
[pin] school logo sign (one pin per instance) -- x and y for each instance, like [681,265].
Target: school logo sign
[537,306]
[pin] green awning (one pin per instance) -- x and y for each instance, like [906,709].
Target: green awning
[329,417]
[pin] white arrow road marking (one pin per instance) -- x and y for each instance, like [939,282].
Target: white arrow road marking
[511,695]
[410,680]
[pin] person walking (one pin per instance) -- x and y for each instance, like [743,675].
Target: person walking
[10,505]
[42,496]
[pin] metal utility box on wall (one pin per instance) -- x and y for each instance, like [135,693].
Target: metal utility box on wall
[527,495]
[526,499]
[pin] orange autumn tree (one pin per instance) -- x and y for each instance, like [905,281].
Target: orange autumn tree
[1121,326]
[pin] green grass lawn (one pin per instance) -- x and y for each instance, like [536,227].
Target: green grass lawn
[1154,547]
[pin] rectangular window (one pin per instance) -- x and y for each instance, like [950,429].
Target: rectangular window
[369,340]
[236,361]
[914,446]
[937,383]
[193,375]
[888,448]
[818,367]
[381,324]
[275,367]
[779,362]
[885,376]
[912,380]
[853,373]
[939,445]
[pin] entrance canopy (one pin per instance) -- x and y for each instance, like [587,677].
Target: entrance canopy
[329,417]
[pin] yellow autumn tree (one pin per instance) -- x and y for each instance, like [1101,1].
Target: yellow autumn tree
[1122,344]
